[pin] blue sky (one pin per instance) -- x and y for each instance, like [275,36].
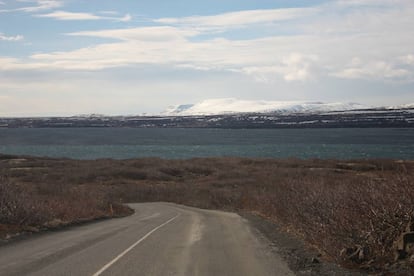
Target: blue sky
[65,57]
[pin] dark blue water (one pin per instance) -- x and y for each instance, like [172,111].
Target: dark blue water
[122,143]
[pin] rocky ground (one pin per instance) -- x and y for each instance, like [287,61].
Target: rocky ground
[302,259]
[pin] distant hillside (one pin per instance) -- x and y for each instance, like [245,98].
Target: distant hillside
[296,117]
[232,106]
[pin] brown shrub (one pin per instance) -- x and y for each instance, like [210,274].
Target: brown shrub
[336,206]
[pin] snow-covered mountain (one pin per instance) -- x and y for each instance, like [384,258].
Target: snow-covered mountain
[230,105]
[404,106]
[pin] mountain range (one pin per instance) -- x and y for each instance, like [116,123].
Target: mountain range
[232,106]
[233,113]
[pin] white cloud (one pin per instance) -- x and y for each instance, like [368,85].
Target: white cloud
[11,38]
[14,64]
[166,45]
[64,15]
[162,33]
[170,46]
[298,67]
[42,5]
[109,12]
[408,59]
[6,63]
[294,67]
[126,18]
[375,70]
[240,18]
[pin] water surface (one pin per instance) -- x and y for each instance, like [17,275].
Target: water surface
[122,143]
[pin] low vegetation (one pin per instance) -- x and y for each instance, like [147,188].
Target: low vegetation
[354,212]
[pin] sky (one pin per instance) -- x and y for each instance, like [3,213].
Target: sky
[125,57]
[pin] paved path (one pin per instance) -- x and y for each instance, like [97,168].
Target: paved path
[159,239]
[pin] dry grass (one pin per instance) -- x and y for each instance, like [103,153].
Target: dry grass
[339,207]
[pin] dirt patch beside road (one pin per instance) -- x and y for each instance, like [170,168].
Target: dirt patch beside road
[302,259]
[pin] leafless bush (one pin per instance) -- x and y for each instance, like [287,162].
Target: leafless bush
[10,202]
[16,207]
[342,206]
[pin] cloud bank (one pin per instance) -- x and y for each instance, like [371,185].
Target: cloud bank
[322,41]
[77,57]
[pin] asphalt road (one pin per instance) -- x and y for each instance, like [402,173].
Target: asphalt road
[159,239]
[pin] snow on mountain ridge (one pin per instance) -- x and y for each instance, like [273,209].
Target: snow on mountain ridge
[230,105]
[410,105]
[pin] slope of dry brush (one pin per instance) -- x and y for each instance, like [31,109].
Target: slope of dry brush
[353,211]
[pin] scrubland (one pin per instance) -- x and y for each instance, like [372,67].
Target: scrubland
[353,212]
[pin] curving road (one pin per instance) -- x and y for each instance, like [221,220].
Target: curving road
[159,239]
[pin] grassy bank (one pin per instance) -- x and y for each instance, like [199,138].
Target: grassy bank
[353,211]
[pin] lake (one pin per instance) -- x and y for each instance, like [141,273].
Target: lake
[123,143]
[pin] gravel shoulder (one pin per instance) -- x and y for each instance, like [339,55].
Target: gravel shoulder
[301,259]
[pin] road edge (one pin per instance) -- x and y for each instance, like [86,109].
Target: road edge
[301,259]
